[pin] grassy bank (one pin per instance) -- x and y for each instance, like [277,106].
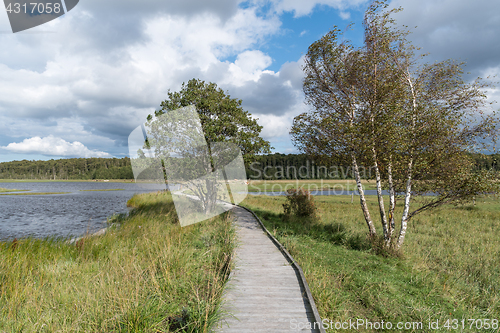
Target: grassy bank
[311,185]
[146,274]
[450,267]
[5,190]
[35,193]
[65,180]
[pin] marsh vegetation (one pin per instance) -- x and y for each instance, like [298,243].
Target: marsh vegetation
[449,269]
[146,274]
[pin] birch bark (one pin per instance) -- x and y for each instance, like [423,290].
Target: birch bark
[381,206]
[362,198]
[404,218]
[392,203]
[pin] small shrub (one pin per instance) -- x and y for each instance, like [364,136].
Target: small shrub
[357,241]
[336,232]
[334,228]
[14,244]
[266,216]
[380,248]
[299,203]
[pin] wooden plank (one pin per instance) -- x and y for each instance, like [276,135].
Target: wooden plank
[263,293]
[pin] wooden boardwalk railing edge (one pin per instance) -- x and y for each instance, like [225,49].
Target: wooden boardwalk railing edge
[297,268]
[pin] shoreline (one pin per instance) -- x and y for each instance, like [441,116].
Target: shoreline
[97,233]
[96,283]
[66,180]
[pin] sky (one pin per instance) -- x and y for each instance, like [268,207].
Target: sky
[77,86]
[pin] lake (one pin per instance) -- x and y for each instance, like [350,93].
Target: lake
[84,209]
[65,215]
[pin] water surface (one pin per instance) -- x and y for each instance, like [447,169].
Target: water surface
[65,215]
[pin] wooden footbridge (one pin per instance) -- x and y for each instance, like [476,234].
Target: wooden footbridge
[267,291]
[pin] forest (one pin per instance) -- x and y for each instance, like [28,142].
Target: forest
[68,169]
[270,167]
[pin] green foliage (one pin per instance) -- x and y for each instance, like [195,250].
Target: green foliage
[267,166]
[299,204]
[124,172]
[295,166]
[67,169]
[222,117]
[449,269]
[379,106]
[145,274]
[486,162]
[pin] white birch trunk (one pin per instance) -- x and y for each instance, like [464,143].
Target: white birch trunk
[381,206]
[392,203]
[406,210]
[362,198]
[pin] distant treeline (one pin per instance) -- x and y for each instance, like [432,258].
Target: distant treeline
[271,167]
[66,169]
[293,166]
[487,162]
[299,166]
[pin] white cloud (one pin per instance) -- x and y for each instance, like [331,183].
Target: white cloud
[458,29]
[53,146]
[490,75]
[110,64]
[278,126]
[249,65]
[78,69]
[111,86]
[291,72]
[275,126]
[345,15]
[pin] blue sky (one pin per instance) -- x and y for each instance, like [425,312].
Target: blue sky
[78,85]
[297,33]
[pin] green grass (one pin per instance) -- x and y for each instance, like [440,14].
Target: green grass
[311,185]
[146,274]
[450,267]
[36,193]
[63,180]
[4,190]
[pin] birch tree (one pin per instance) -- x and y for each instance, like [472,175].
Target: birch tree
[412,123]
[336,126]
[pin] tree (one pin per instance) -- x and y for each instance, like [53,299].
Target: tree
[414,124]
[198,137]
[222,117]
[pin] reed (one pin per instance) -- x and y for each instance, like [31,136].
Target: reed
[145,274]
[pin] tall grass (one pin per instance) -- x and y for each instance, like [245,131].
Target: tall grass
[146,274]
[337,185]
[9,190]
[450,267]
